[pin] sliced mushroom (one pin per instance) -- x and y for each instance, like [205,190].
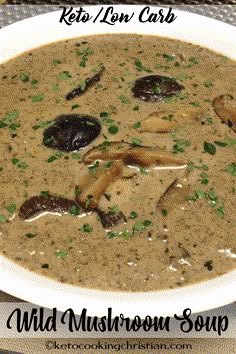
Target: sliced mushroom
[39,204]
[227,115]
[90,81]
[132,155]
[154,88]
[88,195]
[174,196]
[109,219]
[162,122]
[71,132]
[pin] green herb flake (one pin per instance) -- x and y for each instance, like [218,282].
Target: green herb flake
[20,164]
[208,84]
[133,215]
[209,148]
[75,156]
[136,142]
[232,169]
[164,212]
[113,129]
[64,75]
[169,117]
[124,100]
[114,209]
[56,61]
[74,210]
[11,208]
[141,67]
[136,125]
[143,170]
[193,60]
[61,254]
[74,106]
[136,108]
[37,98]
[24,77]
[195,104]
[10,117]
[51,158]
[84,54]
[168,57]
[3,219]
[180,144]
[86,228]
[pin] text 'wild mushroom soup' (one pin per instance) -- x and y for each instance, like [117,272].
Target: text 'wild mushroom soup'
[118,162]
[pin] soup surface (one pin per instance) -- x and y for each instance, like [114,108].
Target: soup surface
[132,188]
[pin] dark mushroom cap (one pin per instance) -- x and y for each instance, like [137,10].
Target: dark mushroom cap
[71,132]
[155,87]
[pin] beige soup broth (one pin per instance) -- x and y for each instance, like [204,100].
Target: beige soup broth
[118,162]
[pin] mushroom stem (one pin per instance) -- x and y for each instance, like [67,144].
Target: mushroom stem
[227,116]
[90,195]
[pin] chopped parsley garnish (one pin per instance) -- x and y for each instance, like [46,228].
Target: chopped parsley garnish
[169,117]
[180,144]
[9,118]
[214,200]
[20,164]
[136,125]
[54,157]
[164,212]
[195,103]
[64,75]
[24,77]
[141,225]
[74,210]
[75,156]
[86,228]
[136,108]
[124,99]
[37,98]
[168,57]
[61,254]
[232,169]
[113,129]
[11,208]
[209,148]
[133,215]
[114,209]
[136,141]
[84,54]
[143,170]
[141,67]
[208,84]
[3,219]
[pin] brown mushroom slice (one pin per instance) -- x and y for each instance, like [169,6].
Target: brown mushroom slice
[174,196]
[162,122]
[90,81]
[39,204]
[89,197]
[133,155]
[227,115]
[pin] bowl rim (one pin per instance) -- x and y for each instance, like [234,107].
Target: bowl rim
[46,292]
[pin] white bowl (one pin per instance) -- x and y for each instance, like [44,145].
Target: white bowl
[39,30]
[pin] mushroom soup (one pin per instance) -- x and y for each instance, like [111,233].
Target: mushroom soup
[118,162]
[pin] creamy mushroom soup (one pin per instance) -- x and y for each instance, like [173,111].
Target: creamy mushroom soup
[118,162]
